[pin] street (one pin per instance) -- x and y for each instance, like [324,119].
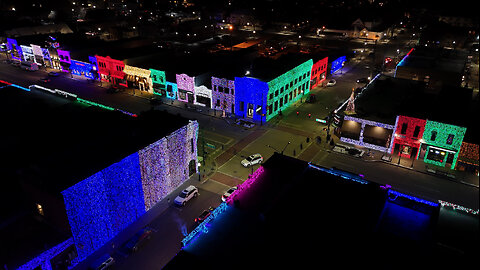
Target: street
[223,145]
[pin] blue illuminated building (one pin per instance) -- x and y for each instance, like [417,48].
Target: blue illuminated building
[338,64]
[93,176]
[82,69]
[104,204]
[251,94]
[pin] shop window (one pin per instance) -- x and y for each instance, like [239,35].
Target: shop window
[40,209]
[450,139]
[218,103]
[416,131]
[433,136]
[404,128]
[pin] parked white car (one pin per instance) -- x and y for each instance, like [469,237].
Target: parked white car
[252,160]
[228,193]
[186,195]
[332,82]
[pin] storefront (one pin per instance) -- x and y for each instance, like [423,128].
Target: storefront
[28,53]
[338,64]
[15,49]
[408,134]
[372,135]
[186,88]
[65,61]
[441,144]
[171,90]
[111,70]
[203,96]
[319,72]
[158,82]
[82,69]
[138,78]
[223,95]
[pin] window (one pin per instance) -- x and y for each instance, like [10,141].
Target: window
[218,103]
[271,96]
[433,136]
[450,139]
[404,128]
[40,209]
[416,131]
[232,91]
[191,143]
[276,106]
[281,90]
[276,93]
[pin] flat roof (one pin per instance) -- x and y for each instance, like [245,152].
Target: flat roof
[300,214]
[386,97]
[53,143]
[436,59]
[267,69]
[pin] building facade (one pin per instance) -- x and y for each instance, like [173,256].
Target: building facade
[186,88]
[288,88]
[250,98]
[84,69]
[408,135]
[319,72]
[158,82]
[138,78]
[441,144]
[111,70]
[104,204]
[370,134]
[223,95]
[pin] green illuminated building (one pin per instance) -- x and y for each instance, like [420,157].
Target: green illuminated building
[441,143]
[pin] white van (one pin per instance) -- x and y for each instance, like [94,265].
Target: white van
[28,65]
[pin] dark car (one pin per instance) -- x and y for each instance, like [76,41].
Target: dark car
[204,215]
[137,240]
[53,74]
[113,89]
[104,262]
[363,80]
[155,101]
[45,80]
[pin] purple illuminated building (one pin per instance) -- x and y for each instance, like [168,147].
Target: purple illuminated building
[223,95]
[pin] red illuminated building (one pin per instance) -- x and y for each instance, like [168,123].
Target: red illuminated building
[111,70]
[408,135]
[319,72]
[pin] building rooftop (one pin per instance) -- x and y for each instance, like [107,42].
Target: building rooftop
[267,69]
[54,143]
[299,214]
[436,59]
[386,97]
